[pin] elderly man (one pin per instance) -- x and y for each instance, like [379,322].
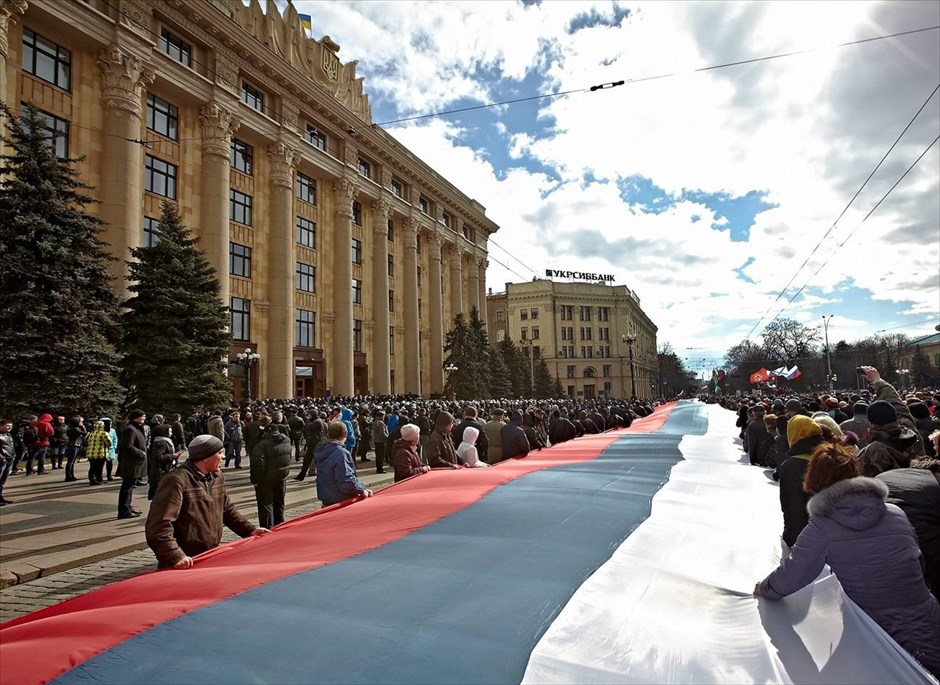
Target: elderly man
[336,469]
[190,507]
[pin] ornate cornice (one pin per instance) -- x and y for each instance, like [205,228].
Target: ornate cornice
[345,190]
[123,77]
[283,159]
[218,125]
[9,11]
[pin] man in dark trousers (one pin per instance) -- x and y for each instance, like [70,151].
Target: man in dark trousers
[295,423]
[132,460]
[314,434]
[270,466]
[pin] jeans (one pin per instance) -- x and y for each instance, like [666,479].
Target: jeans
[233,450]
[71,456]
[6,465]
[56,452]
[39,454]
[270,495]
[126,495]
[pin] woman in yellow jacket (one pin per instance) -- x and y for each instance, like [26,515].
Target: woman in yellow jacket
[97,445]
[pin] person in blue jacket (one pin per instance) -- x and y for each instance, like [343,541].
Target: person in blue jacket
[336,470]
[350,444]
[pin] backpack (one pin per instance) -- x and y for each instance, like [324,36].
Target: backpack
[31,436]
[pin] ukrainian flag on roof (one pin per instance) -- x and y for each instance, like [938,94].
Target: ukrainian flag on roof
[307,21]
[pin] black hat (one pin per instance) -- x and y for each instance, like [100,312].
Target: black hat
[135,414]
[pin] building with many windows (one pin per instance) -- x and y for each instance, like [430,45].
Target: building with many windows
[319,223]
[595,337]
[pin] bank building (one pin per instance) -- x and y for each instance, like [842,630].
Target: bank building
[341,255]
[594,336]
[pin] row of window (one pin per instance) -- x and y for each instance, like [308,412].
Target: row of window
[587,352]
[305,322]
[566,313]
[589,372]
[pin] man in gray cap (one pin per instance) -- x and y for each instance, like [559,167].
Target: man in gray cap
[190,507]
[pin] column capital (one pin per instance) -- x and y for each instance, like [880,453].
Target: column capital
[436,242]
[457,251]
[123,77]
[9,11]
[380,211]
[218,125]
[479,260]
[283,159]
[412,228]
[345,190]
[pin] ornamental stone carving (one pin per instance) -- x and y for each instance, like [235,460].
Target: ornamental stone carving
[283,158]
[123,77]
[479,261]
[345,191]
[436,241]
[9,11]
[218,124]
[380,210]
[412,226]
[136,14]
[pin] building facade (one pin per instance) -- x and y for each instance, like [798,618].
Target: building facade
[331,239]
[595,338]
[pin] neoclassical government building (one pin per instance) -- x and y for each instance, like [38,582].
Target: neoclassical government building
[330,238]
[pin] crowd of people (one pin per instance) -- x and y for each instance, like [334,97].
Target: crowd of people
[859,484]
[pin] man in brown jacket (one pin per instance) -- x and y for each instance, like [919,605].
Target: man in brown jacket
[190,507]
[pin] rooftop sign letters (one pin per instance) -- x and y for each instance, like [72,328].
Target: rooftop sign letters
[579,275]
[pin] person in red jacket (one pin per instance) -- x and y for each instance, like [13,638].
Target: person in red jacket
[40,443]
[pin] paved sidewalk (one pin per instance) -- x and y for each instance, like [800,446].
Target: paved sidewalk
[53,526]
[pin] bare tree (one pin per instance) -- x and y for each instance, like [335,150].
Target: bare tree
[789,340]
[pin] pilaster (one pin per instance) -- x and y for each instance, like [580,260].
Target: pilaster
[436,314]
[345,191]
[410,299]
[381,378]
[10,12]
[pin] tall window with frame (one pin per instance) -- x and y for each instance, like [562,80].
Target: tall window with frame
[162,117]
[240,314]
[357,335]
[391,266]
[306,188]
[603,313]
[424,205]
[159,177]
[357,213]
[242,156]
[239,260]
[584,313]
[390,230]
[239,207]
[306,277]
[253,96]
[391,340]
[316,137]
[305,328]
[177,48]
[151,231]
[398,189]
[356,251]
[58,130]
[306,232]
[46,60]
[365,168]
[391,300]
[356,291]
[445,219]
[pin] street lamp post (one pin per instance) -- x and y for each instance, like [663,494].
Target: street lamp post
[629,340]
[451,369]
[248,359]
[826,320]
[531,366]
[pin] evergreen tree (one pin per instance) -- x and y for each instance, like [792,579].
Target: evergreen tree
[920,367]
[517,366]
[59,347]
[545,383]
[176,338]
[458,355]
[500,380]
[480,347]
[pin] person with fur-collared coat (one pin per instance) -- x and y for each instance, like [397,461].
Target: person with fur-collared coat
[871,548]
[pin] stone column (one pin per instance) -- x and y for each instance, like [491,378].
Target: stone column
[481,267]
[344,192]
[123,78]
[381,379]
[410,299]
[456,280]
[218,124]
[278,352]
[436,313]
[473,281]
[10,11]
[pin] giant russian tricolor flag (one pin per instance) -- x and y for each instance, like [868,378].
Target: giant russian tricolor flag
[623,557]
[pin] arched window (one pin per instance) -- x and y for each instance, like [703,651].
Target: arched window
[589,372]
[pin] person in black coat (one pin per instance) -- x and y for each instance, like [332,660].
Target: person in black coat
[804,435]
[132,461]
[163,456]
[514,441]
[314,434]
[270,466]
[470,421]
[757,438]
[560,429]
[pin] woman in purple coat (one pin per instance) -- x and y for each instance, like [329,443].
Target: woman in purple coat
[870,547]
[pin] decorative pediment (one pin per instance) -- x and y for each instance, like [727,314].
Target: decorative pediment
[286,37]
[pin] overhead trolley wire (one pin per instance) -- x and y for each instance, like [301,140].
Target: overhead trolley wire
[842,213]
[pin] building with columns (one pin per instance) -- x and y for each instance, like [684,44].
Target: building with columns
[328,235]
[595,338]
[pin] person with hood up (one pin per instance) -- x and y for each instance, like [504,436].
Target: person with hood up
[871,548]
[163,456]
[529,423]
[467,449]
[336,470]
[347,419]
[893,439]
[515,443]
[111,459]
[37,450]
[803,436]
[440,449]
[270,466]
[405,459]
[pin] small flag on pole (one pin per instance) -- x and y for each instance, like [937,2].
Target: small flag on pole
[307,21]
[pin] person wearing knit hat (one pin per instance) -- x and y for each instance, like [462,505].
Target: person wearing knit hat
[793,407]
[405,459]
[803,436]
[191,506]
[441,452]
[893,438]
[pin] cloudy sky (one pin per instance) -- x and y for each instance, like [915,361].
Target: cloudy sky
[703,191]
